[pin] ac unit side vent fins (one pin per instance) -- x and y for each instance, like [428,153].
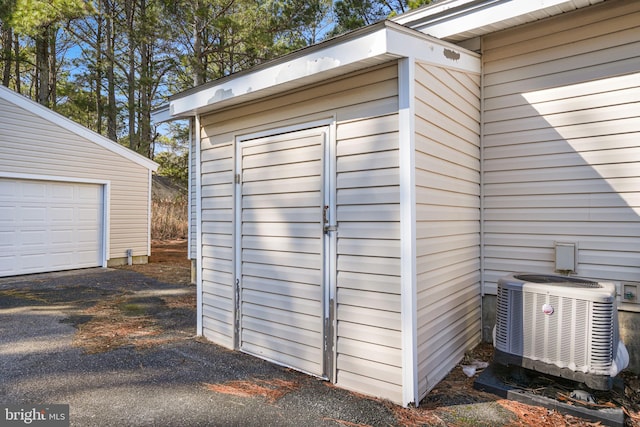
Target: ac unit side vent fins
[551,323]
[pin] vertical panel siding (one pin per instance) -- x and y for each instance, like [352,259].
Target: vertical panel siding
[448,219]
[30,144]
[368,285]
[562,123]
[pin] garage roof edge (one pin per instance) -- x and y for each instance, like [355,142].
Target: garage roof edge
[59,120]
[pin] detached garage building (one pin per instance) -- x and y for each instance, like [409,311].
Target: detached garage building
[69,198]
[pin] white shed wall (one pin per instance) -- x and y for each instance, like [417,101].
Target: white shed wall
[193,230]
[364,107]
[561,131]
[447,219]
[33,146]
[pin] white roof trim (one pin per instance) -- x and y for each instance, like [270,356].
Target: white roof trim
[65,123]
[372,45]
[451,19]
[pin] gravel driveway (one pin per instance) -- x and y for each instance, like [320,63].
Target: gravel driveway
[119,348]
[168,378]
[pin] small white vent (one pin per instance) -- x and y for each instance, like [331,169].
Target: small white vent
[559,325]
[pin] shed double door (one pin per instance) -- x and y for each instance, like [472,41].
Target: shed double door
[282,290]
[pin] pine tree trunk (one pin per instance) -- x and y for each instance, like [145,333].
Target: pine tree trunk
[42,67]
[97,78]
[52,67]
[16,53]
[131,74]
[144,121]
[7,54]
[199,70]
[111,84]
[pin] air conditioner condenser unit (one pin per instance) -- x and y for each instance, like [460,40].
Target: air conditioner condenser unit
[561,326]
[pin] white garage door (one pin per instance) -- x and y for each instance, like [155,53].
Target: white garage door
[49,226]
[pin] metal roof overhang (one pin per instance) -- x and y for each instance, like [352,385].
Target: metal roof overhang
[364,48]
[458,20]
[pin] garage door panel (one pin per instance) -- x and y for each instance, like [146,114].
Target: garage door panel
[31,238]
[33,190]
[7,214]
[7,238]
[62,193]
[87,215]
[49,226]
[32,214]
[87,236]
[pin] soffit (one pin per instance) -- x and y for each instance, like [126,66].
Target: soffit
[459,20]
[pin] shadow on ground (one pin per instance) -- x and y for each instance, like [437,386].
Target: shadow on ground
[120,348]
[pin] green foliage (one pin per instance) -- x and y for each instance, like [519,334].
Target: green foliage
[29,16]
[174,166]
[354,14]
[111,61]
[76,103]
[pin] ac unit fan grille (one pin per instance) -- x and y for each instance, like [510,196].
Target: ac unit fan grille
[571,282]
[578,335]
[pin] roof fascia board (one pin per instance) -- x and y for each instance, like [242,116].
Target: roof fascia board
[383,40]
[301,65]
[408,43]
[59,120]
[161,114]
[457,17]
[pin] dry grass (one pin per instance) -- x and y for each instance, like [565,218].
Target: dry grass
[169,218]
[117,322]
[22,294]
[529,415]
[180,302]
[272,389]
[346,423]
[415,417]
[112,326]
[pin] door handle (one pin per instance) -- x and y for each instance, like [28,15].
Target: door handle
[325,221]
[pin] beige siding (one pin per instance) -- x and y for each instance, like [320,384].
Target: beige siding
[281,297]
[447,219]
[217,269]
[31,145]
[193,230]
[368,356]
[561,133]
[368,292]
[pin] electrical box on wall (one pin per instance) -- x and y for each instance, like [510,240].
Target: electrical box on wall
[565,257]
[629,292]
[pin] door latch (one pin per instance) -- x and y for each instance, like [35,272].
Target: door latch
[325,221]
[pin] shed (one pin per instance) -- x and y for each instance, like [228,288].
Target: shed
[337,205]
[69,198]
[355,203]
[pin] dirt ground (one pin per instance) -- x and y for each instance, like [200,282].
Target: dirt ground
[168,263]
